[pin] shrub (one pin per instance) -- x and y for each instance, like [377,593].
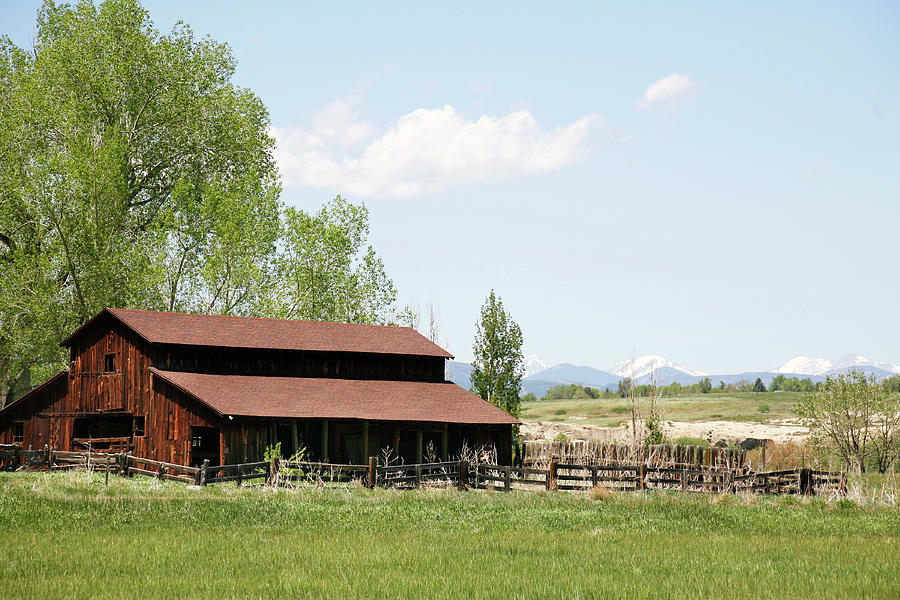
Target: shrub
[559,411]
[764,408]
[691,441]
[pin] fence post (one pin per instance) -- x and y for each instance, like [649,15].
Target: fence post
[201,476]
[107,470]
[475,468]
[506,482]
[418,475]
[551,475]
[272,470]
[684,480]
[641,474]
[806,486]
[843,484]
[594,476]
[372,472]
[463,474]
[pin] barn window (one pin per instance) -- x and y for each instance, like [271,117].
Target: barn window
[18,432]
[139,426]
[109,364]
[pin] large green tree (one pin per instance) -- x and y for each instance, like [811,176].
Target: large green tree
[327,270]
[135,173]
[498,366]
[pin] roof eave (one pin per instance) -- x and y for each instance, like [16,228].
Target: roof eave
[156,372]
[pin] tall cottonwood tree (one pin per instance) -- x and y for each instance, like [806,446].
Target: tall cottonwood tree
[327,271]
[498,365]
[135,173]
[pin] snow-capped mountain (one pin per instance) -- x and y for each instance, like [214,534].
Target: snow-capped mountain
[533,365]
[806,365]
[645,365]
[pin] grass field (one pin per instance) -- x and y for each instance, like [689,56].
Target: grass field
[611,412]
[67,536]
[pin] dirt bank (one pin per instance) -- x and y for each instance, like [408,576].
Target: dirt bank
[730,431]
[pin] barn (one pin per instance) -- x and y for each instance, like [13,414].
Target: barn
[182,388]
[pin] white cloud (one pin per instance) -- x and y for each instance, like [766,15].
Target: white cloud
[665,91]
[424,151]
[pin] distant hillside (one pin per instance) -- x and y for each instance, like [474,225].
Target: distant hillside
[565,374]
[538,384]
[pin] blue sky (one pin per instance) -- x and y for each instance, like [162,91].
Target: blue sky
[716,184]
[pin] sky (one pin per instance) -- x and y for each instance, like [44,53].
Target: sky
[715,183]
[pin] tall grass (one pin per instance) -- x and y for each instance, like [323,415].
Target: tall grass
[67,535]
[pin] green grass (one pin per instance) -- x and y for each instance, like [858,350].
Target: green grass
[66,536]
[611,412]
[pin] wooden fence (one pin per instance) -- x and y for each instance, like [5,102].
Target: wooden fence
[570,476]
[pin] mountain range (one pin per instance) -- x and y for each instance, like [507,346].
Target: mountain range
[540,376]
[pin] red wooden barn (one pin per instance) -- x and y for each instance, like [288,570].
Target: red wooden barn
[183,388]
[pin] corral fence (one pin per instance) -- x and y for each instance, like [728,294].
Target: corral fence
[558,475]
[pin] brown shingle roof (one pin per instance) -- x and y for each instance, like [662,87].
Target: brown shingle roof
[319,398]
[271,334]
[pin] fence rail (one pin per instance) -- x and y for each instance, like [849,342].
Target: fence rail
[569,475]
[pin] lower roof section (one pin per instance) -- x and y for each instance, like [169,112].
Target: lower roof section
[323,398]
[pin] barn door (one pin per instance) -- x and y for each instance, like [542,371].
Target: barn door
[110,392]
[204,445]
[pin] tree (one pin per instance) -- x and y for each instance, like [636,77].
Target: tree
[855,416]
[625,387]
[705,385]
[759,386]
[327,271]
[133,173]
[778,383]
[498,365]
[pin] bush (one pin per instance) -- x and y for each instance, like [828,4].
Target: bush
[559,411]
[764,408]
[691,441]
[856,417]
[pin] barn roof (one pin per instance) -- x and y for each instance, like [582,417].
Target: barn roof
[270,334]
[322,398]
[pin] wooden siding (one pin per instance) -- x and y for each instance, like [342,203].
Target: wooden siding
[38,429]
[93,388]
[171,416]
[290,363]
